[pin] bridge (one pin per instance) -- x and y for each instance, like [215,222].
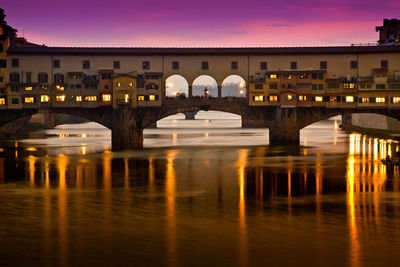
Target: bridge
[127,124]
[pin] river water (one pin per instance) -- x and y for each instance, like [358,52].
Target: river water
[202,192]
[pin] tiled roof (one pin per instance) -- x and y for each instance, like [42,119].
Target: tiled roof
[208,51]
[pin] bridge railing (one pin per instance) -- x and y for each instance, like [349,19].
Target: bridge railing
[205,101]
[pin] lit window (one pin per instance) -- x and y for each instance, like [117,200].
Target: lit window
[44,98]
[273,98]
[119,84]
[319,99]
[2,101]
[273,76]
[59,87]
[29,100]
[259,98]
[396,99]
[28,88]
[140,98]
[126,98]
[349,98]
[152,97]
[91,98]
[289,97]
[130,84]
[348,85]
[365,99]
[380,100]
[302,97]
[60,98]
[44,87]
[106,97]
[78,98]
[333,99]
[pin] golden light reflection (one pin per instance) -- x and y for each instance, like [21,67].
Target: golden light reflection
[243,242]
[171,220]
[351,202]
[174,139]
[62,163]
[31,162]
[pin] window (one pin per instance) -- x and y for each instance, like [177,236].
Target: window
[116,65]
[348,85]
[15,62]
[78,98]
[1,48]
[44,87]
[314,75]
[140,98]
[302,98]
[349,99]
[333,85]
[273,98]
[56,63]
[175,65]
[59,87]
[380,86]
[258,86]
[152,86]
[146,65]
[333,99]
[152,97]
[29,99]
[204,65]
[28,77]
[106,97]
[44,98]
[259,98]
[353,64]
[303,76]
[86,64]
[15,101]
[396,99]
[323,65]
[131,84]
[234,65]
[321,75]
[384,64]
[3,63]
[273,86]
[43,78]
[319,99]
[91,98]
[28,88]
[303,86]
[320,86]
[105,76]
[2,101]
[394,85]
[293,65]
[126,98]
[287,76]
[14,77]
[263,65]
[58,78]
[1,79]
[315,86]
[273,76]
[60,98]
[380,100]
[118,84]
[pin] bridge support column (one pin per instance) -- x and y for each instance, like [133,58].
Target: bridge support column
[285,130]
[126,133]
[190,115]
[190,91]
[219,91]
[347,119]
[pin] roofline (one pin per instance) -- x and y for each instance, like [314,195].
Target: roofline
[121,51]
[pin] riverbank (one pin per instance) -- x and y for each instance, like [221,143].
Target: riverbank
[379,133]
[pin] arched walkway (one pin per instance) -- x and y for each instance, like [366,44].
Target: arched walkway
[234,85]
[205,86]
[176,86]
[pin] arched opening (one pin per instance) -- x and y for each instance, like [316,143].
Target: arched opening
[176,86]
[234,86]
[205,86]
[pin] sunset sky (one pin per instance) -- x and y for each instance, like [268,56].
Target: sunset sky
[216,23]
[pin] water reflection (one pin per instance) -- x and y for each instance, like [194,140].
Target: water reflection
[196,206]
